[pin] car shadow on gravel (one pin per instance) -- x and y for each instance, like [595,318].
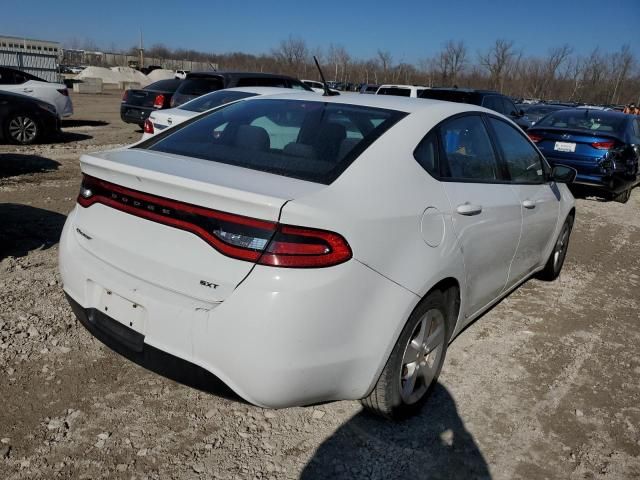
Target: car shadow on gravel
[83,123]
[433,445]
[24,228]
[14,164]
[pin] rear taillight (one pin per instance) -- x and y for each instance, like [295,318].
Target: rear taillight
[603,145]
[125,96]
[158,102]
[305,247]
[148,126]
[63,91]
[244,238]
[534,138]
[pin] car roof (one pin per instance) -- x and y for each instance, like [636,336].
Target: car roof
[389,102]
[256,90]
[399,85]
[230,74]
[465,90]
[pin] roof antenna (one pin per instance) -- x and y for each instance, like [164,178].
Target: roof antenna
[327,92]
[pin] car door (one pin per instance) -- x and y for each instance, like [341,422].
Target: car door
[539,198]
[485,210]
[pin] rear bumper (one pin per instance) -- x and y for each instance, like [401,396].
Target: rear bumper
[283,337]
[137,115]
[589,176]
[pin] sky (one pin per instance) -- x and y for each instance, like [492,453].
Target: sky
[409,30]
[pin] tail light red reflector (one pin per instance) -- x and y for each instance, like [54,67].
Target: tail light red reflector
[148,126]
[244,238]
[603,145]
[125,96]
[158,102]
[534,138]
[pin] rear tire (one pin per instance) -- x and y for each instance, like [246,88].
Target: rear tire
[622,197]
[22,129]
[555,262]
[415,362]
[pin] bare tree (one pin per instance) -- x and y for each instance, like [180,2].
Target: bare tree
[621,64]
[339,58]
[496,61]
[451,60]
[293,53]
[385,60]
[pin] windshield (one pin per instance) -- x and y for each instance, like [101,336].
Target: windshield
[591,120]
[213,100]
[309,140]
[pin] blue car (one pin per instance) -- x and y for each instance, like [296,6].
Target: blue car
[603,146]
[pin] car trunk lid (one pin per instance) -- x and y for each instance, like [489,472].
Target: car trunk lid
[130,230]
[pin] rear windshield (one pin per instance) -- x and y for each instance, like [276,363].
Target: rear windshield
[373,88]
[200,86]
[447,95]
[591,120]
[309,140]
[399,92]
[213,100]
[164,85]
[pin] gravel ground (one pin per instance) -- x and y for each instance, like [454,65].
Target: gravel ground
[545,385]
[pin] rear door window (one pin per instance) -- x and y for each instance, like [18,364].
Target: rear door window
[169,85]
[309,140]
[468,150]
[214,99]
[399,92]
[200,86]
[493,102]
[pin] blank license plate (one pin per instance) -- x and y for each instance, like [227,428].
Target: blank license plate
[565,147]
[122,310]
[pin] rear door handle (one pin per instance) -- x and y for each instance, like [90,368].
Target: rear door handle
[468,209]
[27,90]
[529,204]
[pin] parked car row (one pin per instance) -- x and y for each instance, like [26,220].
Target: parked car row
[137,104]
[30,108]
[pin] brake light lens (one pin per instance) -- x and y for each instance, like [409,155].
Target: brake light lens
[158,102]
[236,236]
[534,137]
[125,96]
[603,145]
[148,126]
[63,91]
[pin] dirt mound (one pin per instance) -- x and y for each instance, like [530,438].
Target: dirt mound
[161,74]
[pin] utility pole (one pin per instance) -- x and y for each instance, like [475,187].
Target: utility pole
[141,50]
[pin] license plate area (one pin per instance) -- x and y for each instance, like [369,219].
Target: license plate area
[565,147]
[124,311]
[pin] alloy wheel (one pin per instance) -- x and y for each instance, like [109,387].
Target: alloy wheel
[23,129]
[561,248]
[422,356]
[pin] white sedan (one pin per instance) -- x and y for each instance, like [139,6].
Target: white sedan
[162,119]
[57,94]
[306,249]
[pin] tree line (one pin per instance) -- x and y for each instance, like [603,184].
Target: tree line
[599,77]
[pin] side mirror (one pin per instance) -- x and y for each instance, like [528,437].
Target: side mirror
[563,174]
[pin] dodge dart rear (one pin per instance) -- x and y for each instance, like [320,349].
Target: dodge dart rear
[304,249]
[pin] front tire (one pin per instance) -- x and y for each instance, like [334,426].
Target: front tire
[622,197]
[415,362]
[22,129]
[555,262]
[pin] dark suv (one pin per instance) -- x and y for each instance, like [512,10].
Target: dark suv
[200,83]
[485,98]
